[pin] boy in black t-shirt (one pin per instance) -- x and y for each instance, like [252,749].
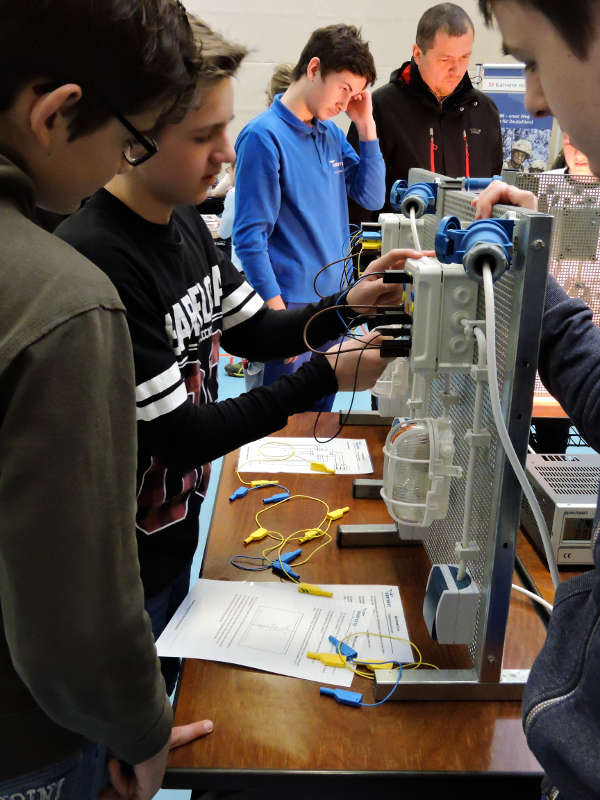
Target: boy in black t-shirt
[183,301]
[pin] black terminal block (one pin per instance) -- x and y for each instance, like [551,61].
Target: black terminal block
[396,318]
[397,276]
[397,331]
[395,348]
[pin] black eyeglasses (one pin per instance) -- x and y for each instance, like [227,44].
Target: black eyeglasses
[142,149]
[135,153]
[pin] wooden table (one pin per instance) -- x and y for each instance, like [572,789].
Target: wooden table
[275,732]
[547,407]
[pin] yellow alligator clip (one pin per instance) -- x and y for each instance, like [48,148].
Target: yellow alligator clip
[316,466]
[258,534]
[310,588]
[337,512]
[313,533]
[329,659]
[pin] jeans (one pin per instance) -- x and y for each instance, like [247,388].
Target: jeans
[80,776]
[275,369]
[161,607]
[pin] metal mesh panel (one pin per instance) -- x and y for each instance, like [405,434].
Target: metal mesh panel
[443,535]
[574,202]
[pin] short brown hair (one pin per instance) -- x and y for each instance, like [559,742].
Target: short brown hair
[282,76]
[338,48]
[576,21]
[214,58]
[446,18]
[132,55]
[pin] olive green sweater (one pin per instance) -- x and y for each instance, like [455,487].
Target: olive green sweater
[77,657]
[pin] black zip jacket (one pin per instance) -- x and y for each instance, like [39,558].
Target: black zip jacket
[416,130]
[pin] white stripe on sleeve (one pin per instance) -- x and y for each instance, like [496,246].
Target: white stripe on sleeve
[249,309]
[167,403]
[158,383]
[236,298]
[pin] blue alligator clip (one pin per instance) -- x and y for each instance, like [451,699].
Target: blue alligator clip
[343,648]
[282,567]
[285,570]
[242,491]
[288,557]
[275,498]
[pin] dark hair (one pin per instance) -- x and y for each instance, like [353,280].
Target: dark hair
[214,58]
[132,55]
[445,17]
[575,21]
[338,47]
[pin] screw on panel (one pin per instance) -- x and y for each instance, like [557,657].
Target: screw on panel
[538,244]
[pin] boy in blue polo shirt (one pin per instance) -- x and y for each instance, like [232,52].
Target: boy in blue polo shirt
[295,172]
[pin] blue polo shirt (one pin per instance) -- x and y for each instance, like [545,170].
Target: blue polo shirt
[291,210]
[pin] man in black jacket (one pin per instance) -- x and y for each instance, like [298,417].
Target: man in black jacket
[429,115]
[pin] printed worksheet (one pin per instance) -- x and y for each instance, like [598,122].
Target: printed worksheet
[247,623]
[290,454]
[387,620]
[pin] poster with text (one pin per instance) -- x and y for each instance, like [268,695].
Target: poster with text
[505,84]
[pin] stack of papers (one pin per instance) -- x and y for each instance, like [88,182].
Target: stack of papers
[271,626]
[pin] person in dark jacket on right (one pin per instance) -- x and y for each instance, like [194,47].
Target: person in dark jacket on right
[429,115]
[559,43]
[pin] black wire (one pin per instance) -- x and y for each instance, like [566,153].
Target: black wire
[354,387]
[336,308]
[331,263]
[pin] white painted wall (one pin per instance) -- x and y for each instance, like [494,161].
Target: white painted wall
[277,30]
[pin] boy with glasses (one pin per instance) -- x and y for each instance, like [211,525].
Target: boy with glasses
[78,667]
[183,298]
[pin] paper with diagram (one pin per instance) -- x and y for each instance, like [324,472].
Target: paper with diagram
[271,629]
[387,619]
[296,454]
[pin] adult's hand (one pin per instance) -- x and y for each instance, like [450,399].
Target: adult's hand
[353,355]
[143,781]
[372,291]
[500,192]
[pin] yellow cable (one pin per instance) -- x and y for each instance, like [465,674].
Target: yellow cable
[412,665]
[282,540]
[273,443]
[246,483]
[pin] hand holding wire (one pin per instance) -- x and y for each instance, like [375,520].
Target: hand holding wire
[370,291]
[357,363]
